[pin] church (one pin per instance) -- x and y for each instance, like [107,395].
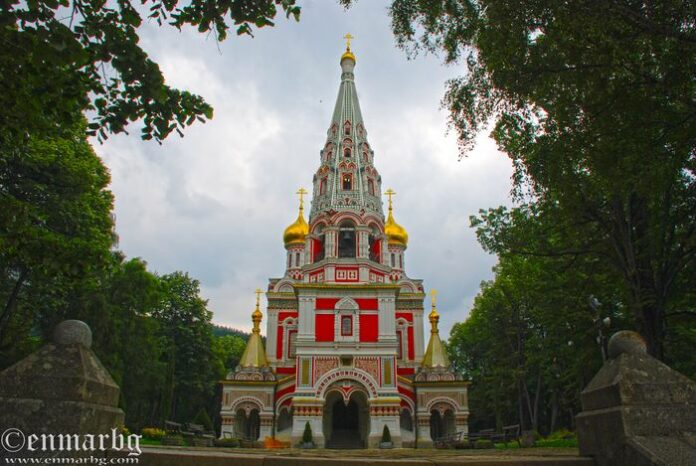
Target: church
[345,348]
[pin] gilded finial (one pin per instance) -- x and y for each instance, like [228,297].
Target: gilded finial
[389,193]
[348,54]
[256,316]
[301,192]
[348,38]
[434,317]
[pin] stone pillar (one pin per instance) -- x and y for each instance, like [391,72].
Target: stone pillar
[637,411]
[423,427]
[62,388]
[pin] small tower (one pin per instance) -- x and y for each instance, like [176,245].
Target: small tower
[247,401]
[397,240]
[446,410]
[294,238]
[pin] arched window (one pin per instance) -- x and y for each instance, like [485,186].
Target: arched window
[347,180]
[297,259]
[346,326]
[346,240]
[371,187]
[318,248]
[406,420]
[322,186]
[346,128]
[375,247]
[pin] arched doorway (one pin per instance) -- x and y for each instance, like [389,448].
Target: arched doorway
[346,425]
[247,426]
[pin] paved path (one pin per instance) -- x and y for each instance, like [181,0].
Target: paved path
[188,456]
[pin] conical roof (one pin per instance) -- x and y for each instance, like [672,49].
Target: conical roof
[254,354]
[435,354]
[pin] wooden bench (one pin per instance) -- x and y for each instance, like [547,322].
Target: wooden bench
[448,440]
[198,434]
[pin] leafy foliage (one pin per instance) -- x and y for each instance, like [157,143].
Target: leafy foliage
[62,57]
[594,104]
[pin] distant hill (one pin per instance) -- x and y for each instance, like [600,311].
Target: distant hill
[221,331]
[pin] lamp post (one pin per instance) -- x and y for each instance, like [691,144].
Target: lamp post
[601,324]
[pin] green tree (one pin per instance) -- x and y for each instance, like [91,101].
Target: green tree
[228,350]
[55,226]
[60,58]
[193,369]
[594,103]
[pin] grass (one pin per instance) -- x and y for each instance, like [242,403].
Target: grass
[147,441]
[542,443]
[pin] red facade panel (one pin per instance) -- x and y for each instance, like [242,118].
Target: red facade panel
[369,327]
[326,304]
[410,343]
[367,304]
[324,327]
[279,343]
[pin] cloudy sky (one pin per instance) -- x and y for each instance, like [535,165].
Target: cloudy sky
[216,202]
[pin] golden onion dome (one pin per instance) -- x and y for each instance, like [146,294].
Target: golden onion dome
[396,234]
[297,231]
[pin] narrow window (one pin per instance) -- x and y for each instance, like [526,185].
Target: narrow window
[399,344]
[371,187]
[346,128]
[346,326]
[393,260]
[318,248]
[322,186]
[375,248]
[297,259]
[347,182]
[289,259]
[291,344]
[346,152]
[401,261]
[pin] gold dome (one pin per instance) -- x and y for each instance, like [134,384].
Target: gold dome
[298,231]
[396,234]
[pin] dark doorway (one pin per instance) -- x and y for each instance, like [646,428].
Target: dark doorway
[345,426]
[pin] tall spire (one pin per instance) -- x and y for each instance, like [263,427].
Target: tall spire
[435,355]
[254,355]
[347,179]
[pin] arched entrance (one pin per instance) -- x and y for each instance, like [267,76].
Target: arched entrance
[346,422]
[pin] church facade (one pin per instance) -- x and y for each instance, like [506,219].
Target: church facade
[345,346]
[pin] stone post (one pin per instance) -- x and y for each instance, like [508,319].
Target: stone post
[637,411]
[62,388]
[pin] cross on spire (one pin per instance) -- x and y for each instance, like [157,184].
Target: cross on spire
[258,296]
[348,38]
[433,294]
[389,193]
[301,192]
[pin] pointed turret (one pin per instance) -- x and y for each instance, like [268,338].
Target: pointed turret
[435,355]
[347,178]
[254,355]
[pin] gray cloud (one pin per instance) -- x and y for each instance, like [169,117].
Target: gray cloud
[216,202]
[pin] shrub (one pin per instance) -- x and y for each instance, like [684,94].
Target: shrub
[307,434]
[203,419]
[462,445]
[152,433]
[386,435]
[484,443]
[226,442]
[123,430]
